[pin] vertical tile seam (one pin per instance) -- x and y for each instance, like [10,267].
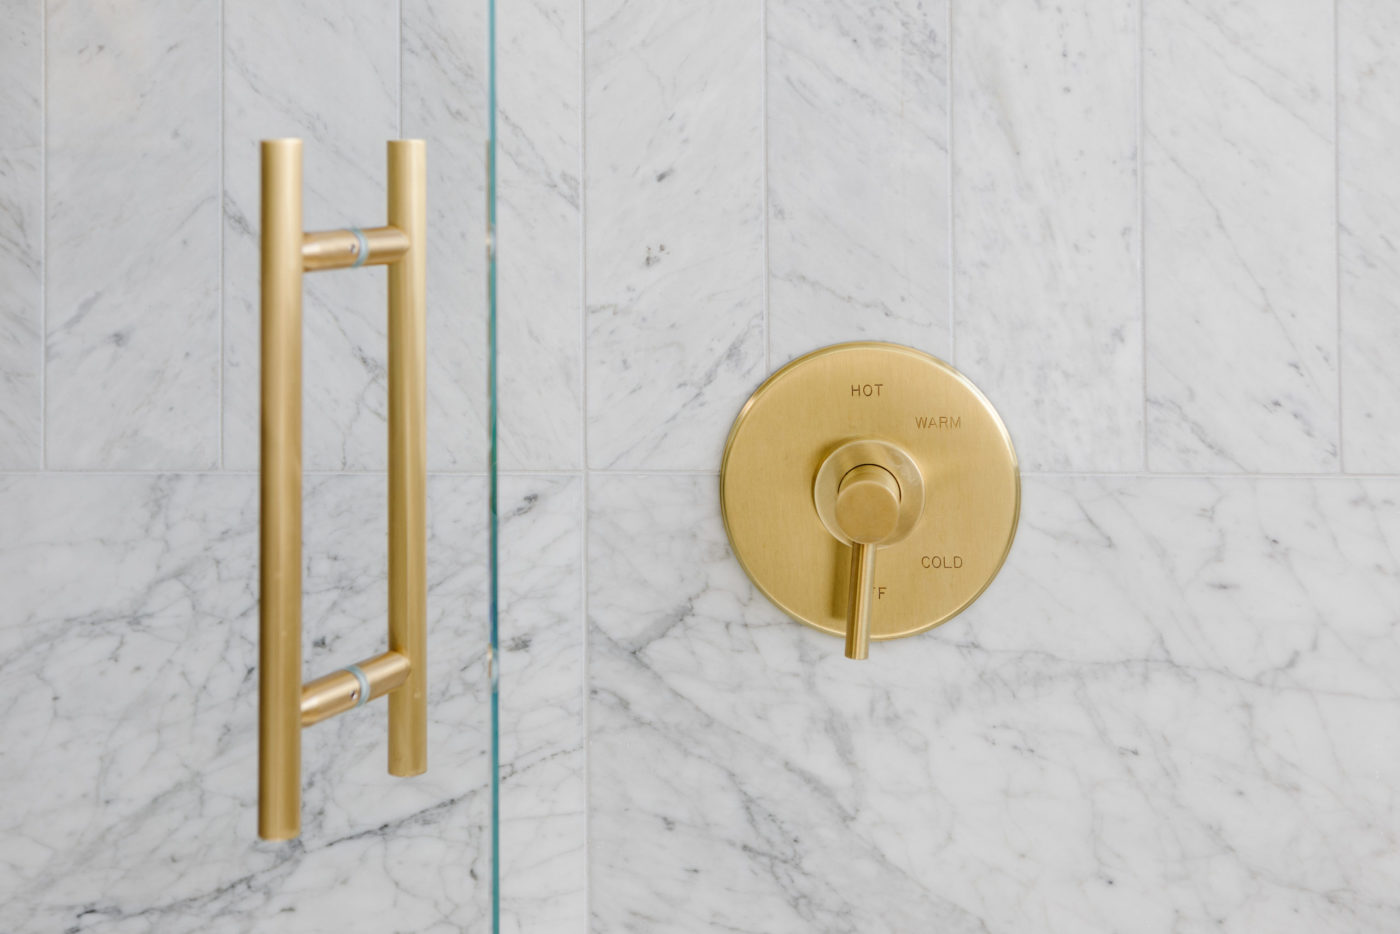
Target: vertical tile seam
[43,231]
[223,181]
[398,55]
[952,198]
[1142,221]
[582,130]
[1337,224]
[585,739]
[763,145]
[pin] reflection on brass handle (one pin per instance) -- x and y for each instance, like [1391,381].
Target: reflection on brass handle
[867,512]
[285,705]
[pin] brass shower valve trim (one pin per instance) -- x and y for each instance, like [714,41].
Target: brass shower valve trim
[870,490]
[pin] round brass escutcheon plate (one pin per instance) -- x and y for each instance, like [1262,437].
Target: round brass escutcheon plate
[849,404]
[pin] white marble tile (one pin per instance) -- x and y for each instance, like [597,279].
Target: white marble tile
[1047,310]
[21,232]
[1240,239]
[327,73]
[674,233]
[445,103]
[1163,716]
[129,682]
[1368,75]
[858,196]
[543,853]
[132,233]
[538,235]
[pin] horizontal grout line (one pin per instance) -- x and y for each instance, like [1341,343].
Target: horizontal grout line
[678,472]
[311,474]
[1153,475]
[1126,475]
[658,472]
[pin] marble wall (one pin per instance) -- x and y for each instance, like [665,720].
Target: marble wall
[1159,235]
[128,458]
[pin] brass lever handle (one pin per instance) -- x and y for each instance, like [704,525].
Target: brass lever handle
[869,494]
[867,511]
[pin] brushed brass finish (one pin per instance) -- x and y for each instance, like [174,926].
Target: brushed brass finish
[850,461]
[867,504]
[279,502]
[860,601]
[340,690]
[340,249]
[285,705]
[847,457]
[408,456]
[868,513]
[843,407]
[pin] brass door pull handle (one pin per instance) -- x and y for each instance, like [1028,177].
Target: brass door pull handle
[882,450]
[285,704]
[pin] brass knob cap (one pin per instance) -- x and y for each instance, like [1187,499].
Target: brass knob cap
[867,504]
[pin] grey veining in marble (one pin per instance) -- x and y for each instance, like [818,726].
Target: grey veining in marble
[21,230]
[543,852]
[539,200]
[327,73]
[132,232]
[129,683]
[1167,714]
[858,198]
[674,228]
[445,103]
[1369,213]
[1240,209]
[1172,713]
[1047,309]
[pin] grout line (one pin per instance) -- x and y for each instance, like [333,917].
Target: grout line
[763,142]
[216,472]
[1121,474]
[952,202]
[654,471]
[1163,475]
[398,52]
[584,720]
[43,232]
[585,731]
[1142,217]
[223,194]
[53,473]
[517,472]
[159,472]
[582,242]
[1337,221]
